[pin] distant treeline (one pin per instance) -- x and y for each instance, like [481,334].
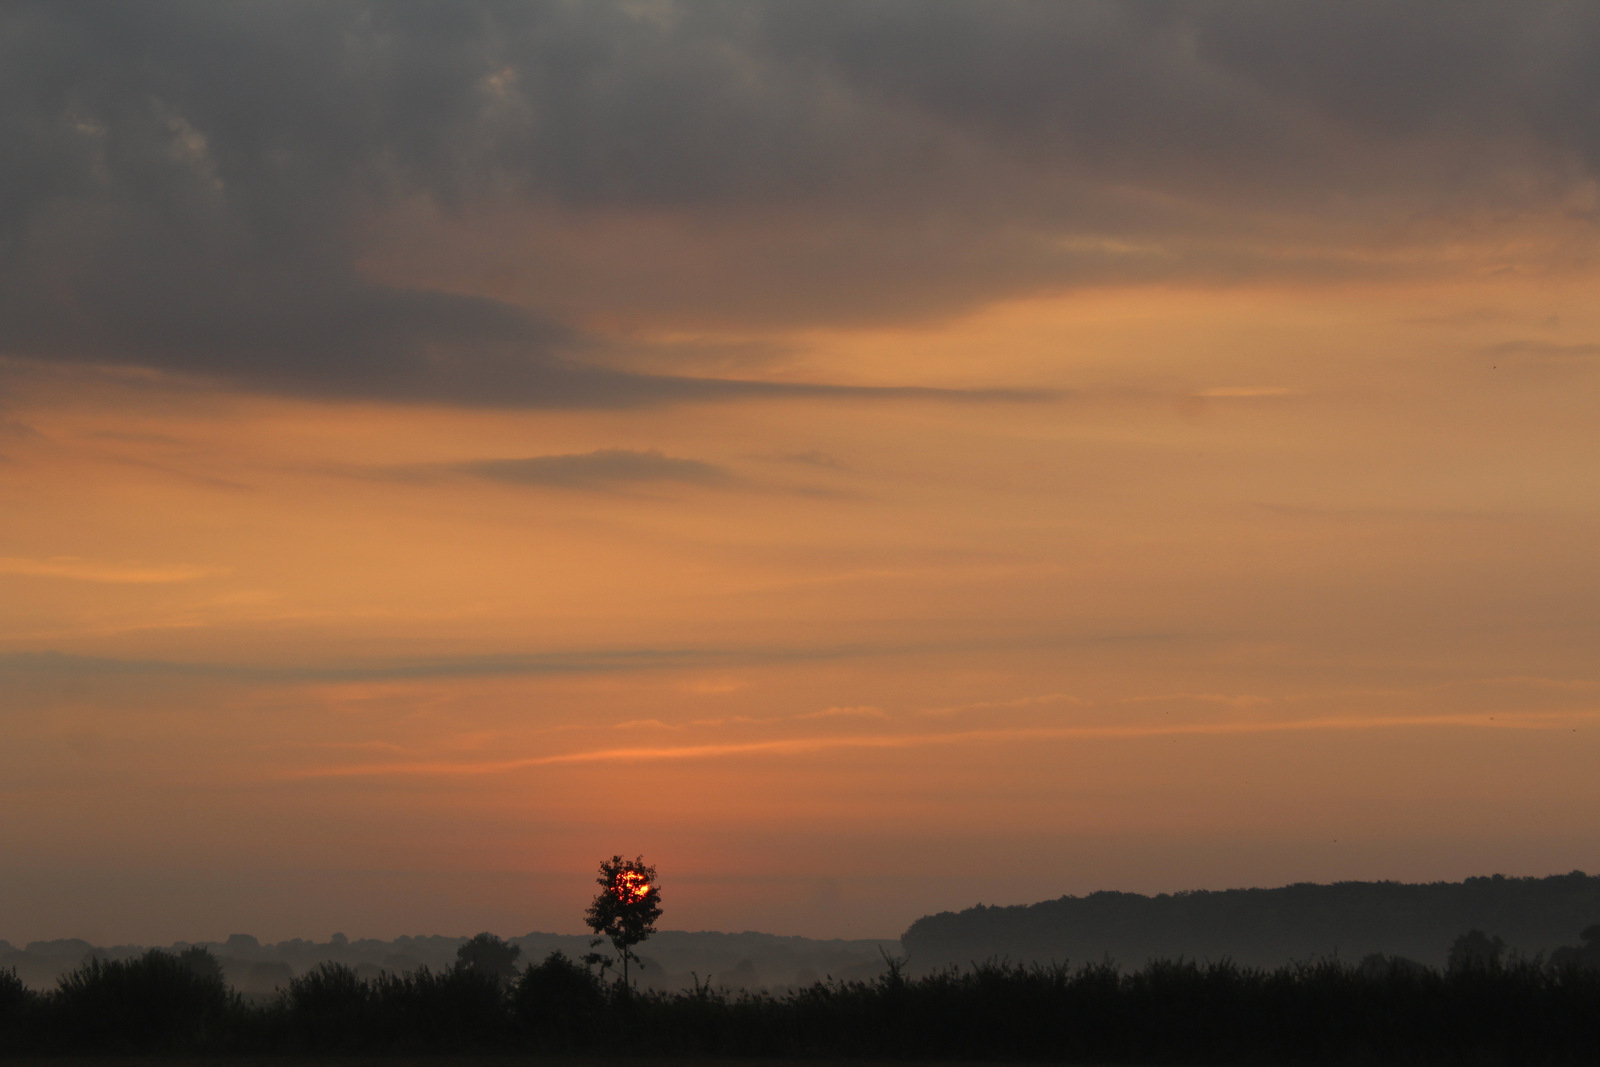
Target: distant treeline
[1478,1012]
[672,958]
[1265,927]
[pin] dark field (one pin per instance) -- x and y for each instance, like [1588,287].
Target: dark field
[1165,1013]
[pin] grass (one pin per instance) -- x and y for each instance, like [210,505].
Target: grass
[1173,1012]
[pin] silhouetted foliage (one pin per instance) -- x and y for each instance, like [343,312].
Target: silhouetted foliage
[157,1002]
[17,1002]
[1377,965]
[334,1009]
[1475,951]
[201,963]
[558,1004]
[327,1008]
[1386,1010]
[1582,956]
[490,957]
[456,1010]
[625,910]
[1265,927]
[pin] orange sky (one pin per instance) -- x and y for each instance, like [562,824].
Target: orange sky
[1231,570]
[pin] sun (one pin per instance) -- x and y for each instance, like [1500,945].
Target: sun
[630,886]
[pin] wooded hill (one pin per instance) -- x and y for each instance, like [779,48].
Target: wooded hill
[1265,927]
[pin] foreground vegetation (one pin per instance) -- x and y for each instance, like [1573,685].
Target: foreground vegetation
[1521,1013]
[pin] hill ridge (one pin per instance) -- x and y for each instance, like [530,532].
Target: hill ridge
[1265,926]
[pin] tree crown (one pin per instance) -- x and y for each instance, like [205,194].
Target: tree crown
[628,904]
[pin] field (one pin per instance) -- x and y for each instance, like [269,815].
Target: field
[1521,1013]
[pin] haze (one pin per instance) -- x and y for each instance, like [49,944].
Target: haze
[867,458]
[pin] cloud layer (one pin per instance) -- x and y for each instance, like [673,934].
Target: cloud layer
[486,203]
[588,470]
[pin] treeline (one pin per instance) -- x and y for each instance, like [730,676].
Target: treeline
[742,960]
[1266,927]
[1481,1012]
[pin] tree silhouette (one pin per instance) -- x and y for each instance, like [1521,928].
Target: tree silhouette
[202,963]
[625,910]
[1475,951]
[491,957]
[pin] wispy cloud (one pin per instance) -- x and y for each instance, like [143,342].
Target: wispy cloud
[813,458]
[591,470]
[1242,392]
[1002,705]
[866,711]
[77,569]
[576,661]
[1229,700]
[573,661]
[806,745]
[1543,351]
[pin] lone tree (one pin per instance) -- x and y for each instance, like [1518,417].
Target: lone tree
[625,910]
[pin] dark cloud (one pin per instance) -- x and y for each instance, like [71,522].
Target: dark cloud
[590,470]
[233,190]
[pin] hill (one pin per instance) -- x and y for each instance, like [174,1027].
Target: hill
[1265,927]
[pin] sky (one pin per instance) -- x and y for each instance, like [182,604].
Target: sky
[868,459]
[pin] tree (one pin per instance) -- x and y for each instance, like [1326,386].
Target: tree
[1475,951]
[625,910]
[202,963]
[491,957]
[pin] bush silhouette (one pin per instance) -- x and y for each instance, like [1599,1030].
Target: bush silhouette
[17,1006]
[202,963]
[329,1008]
[155,1002]
[558,1004]
[453,1010]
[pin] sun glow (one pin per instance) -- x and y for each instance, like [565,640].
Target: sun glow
[630,887]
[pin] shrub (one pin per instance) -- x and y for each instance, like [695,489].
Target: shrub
[18,1005]
[155,1002]
[558,1004]
[458,1009]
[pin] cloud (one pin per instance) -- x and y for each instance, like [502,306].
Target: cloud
[865,711]
[812,458]
[449,201]
[604,660]
[1563,721]
[1243,391]
[1043,699]
[1544,351]
[86,570]
[573,661]
[590,470]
